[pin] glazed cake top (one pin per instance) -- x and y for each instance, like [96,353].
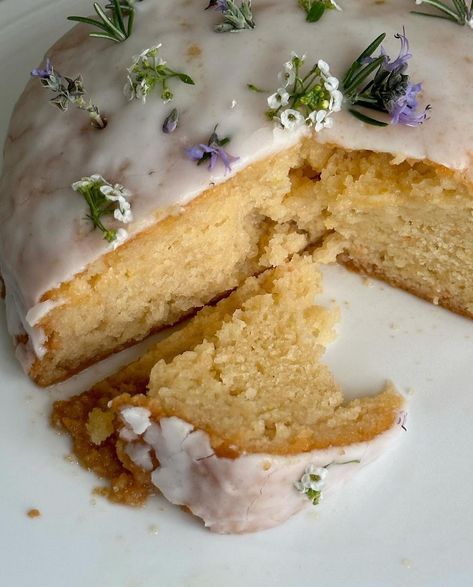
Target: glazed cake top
[46,238]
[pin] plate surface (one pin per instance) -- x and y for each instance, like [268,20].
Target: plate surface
[406,520]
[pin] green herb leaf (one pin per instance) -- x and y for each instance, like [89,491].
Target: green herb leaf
[316,12]
[235,18]
[367,119]
[185,78]
[112,23]
[460,12]
[254,88]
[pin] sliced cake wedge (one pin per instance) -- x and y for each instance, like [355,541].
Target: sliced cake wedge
[241,423]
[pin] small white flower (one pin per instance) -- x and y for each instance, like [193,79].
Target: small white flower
[309,483]
[331,83]
[87,182]
[120,238]
[279,98]
[418,2]
[324,67]
[469,22]
[146,54]
[116,193]
[123,215]
[336,101]
[314,470]
[274,101]
[288,76]
[312,480]
[291,119]
[142,90]
[129,89]
[294,55]
[321,120]
[82,183]
[119,194]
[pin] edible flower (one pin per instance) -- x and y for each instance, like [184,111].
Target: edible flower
[43,73]
[171,121]
[148,70]
[311,483]
[105,199]
[68,91]
[381,84]
[235,18]
[212,152]
[309,100]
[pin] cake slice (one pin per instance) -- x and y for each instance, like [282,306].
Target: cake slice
[242,423]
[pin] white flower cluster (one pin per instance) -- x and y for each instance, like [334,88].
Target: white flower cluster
[119,194]
[313,479]
[139,83]
[316,107]
[113,193]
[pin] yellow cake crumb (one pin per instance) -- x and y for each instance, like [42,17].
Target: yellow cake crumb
[33,513]
[99,425]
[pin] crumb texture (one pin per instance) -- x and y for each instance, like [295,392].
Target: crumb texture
[246,371]
[408,223]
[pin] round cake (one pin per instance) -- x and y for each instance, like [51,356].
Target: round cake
[177,163]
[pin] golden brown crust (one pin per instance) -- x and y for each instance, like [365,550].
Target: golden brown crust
[126,483]
[374,271]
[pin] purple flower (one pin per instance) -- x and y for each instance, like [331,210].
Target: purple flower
[171,121]
[403,57]
[220,5]
[43,73]
[213,153]
[398,63]
[403,110]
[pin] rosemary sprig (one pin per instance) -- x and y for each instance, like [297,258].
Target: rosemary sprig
[235,18]
[382,85]
[460,13]
[359,71]
[68,91]
[115,26]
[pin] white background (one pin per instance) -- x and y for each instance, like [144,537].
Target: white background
[406,520]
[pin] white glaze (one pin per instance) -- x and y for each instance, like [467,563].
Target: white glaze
[45,238]
[250,493]
[136,419]
[140,454]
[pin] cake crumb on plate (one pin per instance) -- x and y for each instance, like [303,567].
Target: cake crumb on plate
[33,513]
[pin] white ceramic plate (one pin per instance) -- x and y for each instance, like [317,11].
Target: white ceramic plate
[406,520]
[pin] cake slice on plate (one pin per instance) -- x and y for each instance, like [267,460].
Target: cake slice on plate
[241,423]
